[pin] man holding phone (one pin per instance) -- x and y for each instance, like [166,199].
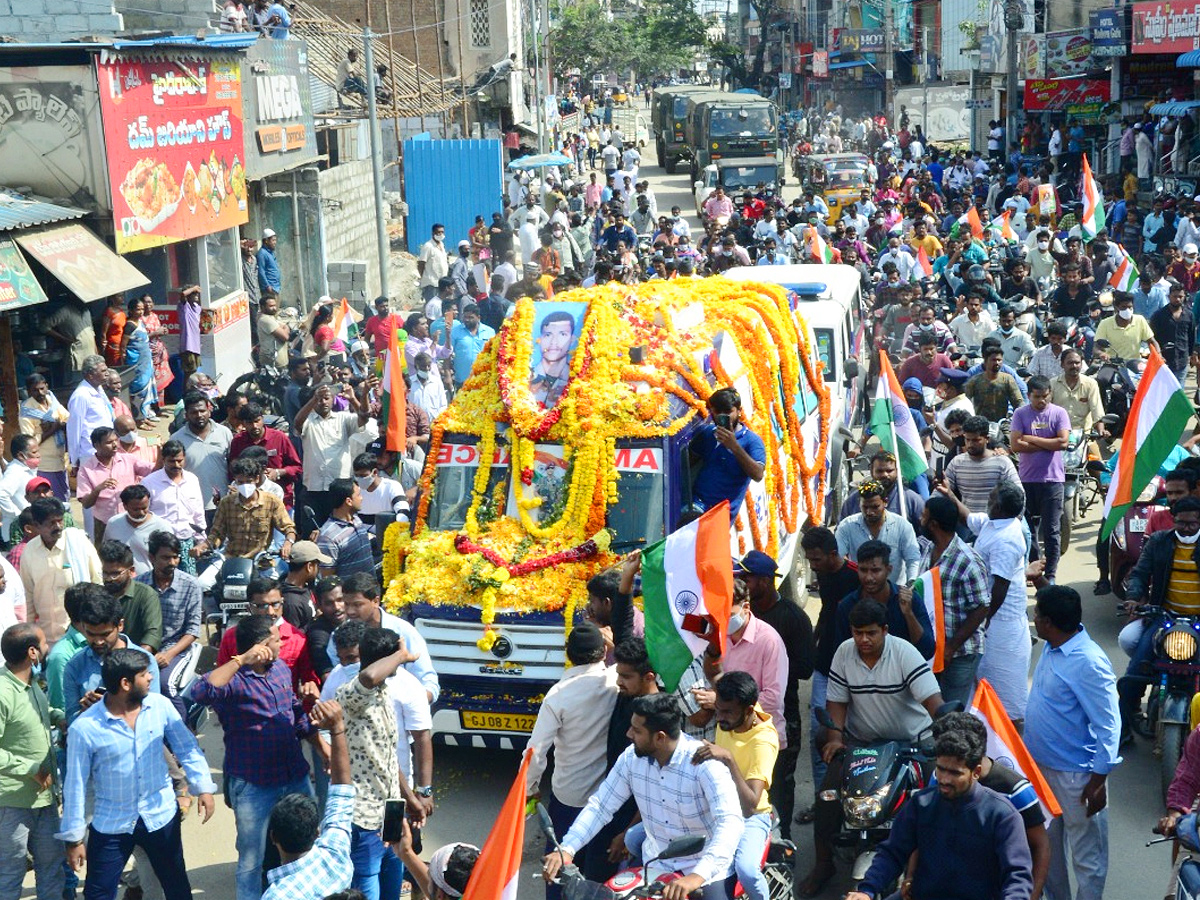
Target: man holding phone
[732,455]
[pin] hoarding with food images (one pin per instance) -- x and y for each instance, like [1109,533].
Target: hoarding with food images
[1058,94]
[173,132]
[1068,53]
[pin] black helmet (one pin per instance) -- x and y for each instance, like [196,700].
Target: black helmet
[976,273]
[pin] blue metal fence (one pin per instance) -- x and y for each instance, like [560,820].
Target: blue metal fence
[450,182]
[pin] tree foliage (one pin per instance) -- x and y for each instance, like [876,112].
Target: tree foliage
[733,57]
[655,38]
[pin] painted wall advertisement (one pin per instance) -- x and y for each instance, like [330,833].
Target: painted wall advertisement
[173,131]
[947,119]
[1172,27]
[1053,94]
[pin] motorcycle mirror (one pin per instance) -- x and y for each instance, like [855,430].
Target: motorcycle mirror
[1103,343]
[547,823]
[1110,419]
[852,368]
[688,845]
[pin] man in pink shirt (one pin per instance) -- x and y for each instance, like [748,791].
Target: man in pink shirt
[756,648]
[104,475]
[592,193]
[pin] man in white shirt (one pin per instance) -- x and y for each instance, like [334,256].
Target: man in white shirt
[575,710]
[22,468]
[1016,344]
[433,263]
[88,409]
[177,498]
[379,495]
[134,526]
[973,325]
[325,434]
[427,390]
[896,253]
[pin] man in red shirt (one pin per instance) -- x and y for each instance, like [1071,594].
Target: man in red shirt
[265,599]
[379,326]
[752,207]
[1177,484]
[283,463]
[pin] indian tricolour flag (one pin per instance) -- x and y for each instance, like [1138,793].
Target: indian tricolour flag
[393,414]
[892,423]
[345,323]
[821,251]
[1006,747]
[687,589]
[497,874]
[923,262]
[1159,413]
[1126,275]
[928,587]
[1003,227]
[1093,204]
[969,220]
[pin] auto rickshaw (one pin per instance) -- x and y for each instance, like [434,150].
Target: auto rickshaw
[837,177]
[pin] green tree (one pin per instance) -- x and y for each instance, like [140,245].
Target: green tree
[664,36]
[584,37]
[652,39]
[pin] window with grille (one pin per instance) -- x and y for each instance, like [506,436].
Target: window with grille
[481,24]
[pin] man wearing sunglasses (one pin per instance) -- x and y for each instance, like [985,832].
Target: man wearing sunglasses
[264,598]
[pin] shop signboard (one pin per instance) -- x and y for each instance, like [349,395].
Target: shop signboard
[1154,76]
[279,110]
[1108,32]
[1056,94]
[861,40]
[78,259]
[1068,53]
[948,118]
[1033,62]
[820,64]
[50,138]
[173,131]
[1171,27]
[18,286]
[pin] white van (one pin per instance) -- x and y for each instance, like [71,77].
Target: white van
[830,299]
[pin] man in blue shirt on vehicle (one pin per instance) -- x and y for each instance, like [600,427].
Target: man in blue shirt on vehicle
[732,455]
[616,232]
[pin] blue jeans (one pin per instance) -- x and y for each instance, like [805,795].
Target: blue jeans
[564,817]
[957,679]
[747,861]
[1132,687]
[720,889]
[820,686]
[108,853]
[378,872]
[252,805]
[32,831]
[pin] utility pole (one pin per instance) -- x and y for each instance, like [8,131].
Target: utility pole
[1014,21]
[538,92]
[889,56]
[381,238]
[925,80]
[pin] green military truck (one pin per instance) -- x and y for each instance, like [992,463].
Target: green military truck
[668,114]
[725,126]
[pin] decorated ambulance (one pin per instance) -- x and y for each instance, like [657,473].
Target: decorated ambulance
[567,448]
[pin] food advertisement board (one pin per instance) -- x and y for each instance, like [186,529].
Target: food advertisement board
[173,132]
[1068,53]
[1060,93]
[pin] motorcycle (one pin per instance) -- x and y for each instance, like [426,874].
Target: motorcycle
[1082,487]
[778,866]
[227,602]
[1185,875]
[1118,380]
[1174,680]
[264,386]
[1129,535]
[878,778]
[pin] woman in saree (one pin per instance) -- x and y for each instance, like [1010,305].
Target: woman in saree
[163,375]
[143,393]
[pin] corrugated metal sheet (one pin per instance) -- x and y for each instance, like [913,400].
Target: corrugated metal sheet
[450,182]
[17,212]
[232,41]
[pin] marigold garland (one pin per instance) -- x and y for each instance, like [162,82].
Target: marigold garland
[541,558]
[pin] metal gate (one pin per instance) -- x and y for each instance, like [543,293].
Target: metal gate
[450,183]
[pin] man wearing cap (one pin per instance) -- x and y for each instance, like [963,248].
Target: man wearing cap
[268,263]
[296,587]
[432,263]
[794,628]
[927,364]
[460,268]
[574,711]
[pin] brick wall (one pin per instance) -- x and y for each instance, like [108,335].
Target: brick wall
[423,47]
[348,208]
[29,20]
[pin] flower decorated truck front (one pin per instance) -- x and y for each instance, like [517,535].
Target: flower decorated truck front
[567,448]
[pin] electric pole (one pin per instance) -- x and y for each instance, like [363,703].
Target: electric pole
[889,56]
[1014,21]
[383,245]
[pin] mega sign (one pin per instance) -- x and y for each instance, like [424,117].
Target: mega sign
[173,131]
[1166,27]
[279,129]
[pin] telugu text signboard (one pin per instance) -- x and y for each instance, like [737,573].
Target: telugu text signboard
[1172,27]
[173,132]
[1054,94]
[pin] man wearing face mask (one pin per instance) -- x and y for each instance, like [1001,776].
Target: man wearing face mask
[906,265]
[135,525]
[432,263]
[1166,576]
[1040,259]
[130,442]
[247,517]
[425,388]
[1016,345]
[379,495]
[20,471]
[1125,332]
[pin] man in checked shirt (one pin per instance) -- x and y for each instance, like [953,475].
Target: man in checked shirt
[675,796]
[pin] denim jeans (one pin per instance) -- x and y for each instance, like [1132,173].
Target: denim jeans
[31,831]
[1131,689]
[1086,839]
[957,679]
[108,853]
[1043,507]
[820,686]
[747,861]
[720,889]
[563,817]
[252,805]
[378,872]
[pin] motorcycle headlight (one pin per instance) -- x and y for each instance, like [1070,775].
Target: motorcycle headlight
[863,812]
[1179,645]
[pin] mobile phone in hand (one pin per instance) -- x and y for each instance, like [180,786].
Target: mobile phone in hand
[393,821]
[723,420]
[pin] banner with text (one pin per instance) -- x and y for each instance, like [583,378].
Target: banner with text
[1108,32]
[1172,27]
[1057,94]
[279,110]
[173,132]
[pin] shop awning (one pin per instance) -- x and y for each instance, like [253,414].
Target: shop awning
[17,211]
[18,285]
[853,64]
[1189,60]
[81,261]
[1174,107]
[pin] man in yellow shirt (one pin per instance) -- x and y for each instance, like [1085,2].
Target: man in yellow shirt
[1125,331]
[922,239]
[747,743]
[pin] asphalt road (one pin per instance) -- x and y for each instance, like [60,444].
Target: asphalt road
[471,784]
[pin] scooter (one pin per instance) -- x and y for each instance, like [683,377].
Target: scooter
[1173,679]
[778,866]
[233,576]
[1129,535]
